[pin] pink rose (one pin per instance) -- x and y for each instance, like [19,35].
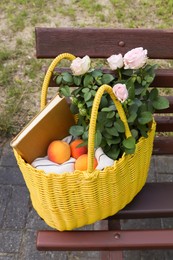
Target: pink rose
[120,92]
[115,61]
[135,59]
[80,66]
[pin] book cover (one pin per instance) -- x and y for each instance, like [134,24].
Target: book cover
[52,123]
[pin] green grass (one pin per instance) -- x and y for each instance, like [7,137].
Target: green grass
[21,74]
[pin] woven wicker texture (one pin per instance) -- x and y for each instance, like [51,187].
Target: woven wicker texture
[72,200]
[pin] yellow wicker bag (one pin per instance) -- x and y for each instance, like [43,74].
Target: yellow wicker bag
[70,200]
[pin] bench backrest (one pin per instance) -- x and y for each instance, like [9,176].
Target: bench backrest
[102,43]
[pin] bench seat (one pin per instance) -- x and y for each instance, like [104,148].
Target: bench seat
[144,205]
[155,199]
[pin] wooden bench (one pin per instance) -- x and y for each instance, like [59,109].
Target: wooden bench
[155,199]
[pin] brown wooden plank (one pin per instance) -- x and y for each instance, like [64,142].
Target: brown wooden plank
[147,205]
[102,42]
[104,240]
[164,78]
[163,145]
[164,123]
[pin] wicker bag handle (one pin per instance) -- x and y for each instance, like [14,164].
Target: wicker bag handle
[94,113]
[95,107]
[49,74]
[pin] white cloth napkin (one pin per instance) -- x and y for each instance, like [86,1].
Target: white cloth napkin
[102,159]
[43,163]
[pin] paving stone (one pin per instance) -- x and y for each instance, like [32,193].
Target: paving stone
[35,222]
[141,223]
[9,257]
[29,251]
[11,176]
[164,165]
[5,196]
[168,254]
[10,241]
[151,174]
[7,156]
[167,223]
[17,209]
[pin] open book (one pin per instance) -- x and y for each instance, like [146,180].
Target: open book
[52,123]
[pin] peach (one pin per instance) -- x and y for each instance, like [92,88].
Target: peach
[77,151]
[81,163]
[58,151]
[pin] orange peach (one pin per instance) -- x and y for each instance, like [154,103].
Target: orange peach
[81,163]
[59,151]
[77,151]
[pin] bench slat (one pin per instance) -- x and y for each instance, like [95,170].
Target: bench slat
[163,145]
[164,78]
[102,42]
[146,203]
[164,123]
[104,240]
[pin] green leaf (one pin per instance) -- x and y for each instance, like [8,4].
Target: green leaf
[85,90]
[154,94]
[58,80]
[89,103]
[138,90]
[88,80]
[114,152]
[98,138]
[119,125]
[131,89]
[76,130]
[107,78]
[87,96]
[115,140]
[133,108]
[101,117]
[130,151]
[144,82]
[127,72]
[112,131]
[108,109]
[132,117]
[67,77]
[129,143]
[106,135]
[145,118]
[144,133]
[85,135]
[139,80]
[160,103]
[148,78]
[103,102]
[134,133]
[97,73]
[110,114]
[77,80]
[65,91]
[93,92]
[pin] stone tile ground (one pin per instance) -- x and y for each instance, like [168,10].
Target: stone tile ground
[19,222]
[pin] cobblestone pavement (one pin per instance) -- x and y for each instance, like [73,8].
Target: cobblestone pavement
[19,222]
